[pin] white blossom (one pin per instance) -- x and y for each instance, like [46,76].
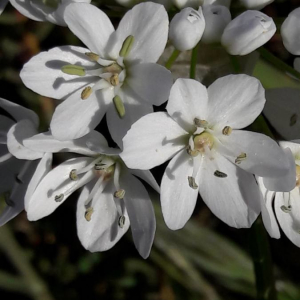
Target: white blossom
[180,4]
[247,32]
[209,153]
[256,4]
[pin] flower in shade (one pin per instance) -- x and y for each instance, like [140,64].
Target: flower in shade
[209,153]
[112,197]
[42,10]
[117,75]
[21,169]
[281,197]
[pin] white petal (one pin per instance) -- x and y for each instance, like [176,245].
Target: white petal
[290,30]
[19,112]
[90,25]
[289,221]
[147,176]
[151,82]
[263,155]
[15,137]
[255,4]
[152,140]
[26,9]
[140,212]
[235,100]
[45,142]
[178,199]
[282,110]
[94,146]
[75,117]
[233,199]
[285,183]
[2,5]
[43,74]
[188,100]
[134,110]
[55,183]
[102,232]
[43,168]
[267,212]
[150,33]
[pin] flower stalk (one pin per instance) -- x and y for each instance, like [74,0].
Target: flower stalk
[172,59]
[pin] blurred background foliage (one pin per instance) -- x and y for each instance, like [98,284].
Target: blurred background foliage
[207,260]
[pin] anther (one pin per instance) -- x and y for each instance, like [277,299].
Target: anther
[99,166]
[191,152]
[240,158]
[59,198]
[114,80]
[121,221]
[88,214]
[220,174]
[200,123]
[192,182]
[73,175]
[119,105]
[119,194]
[86,92]
[227,130]
[127,45]
[286,209]
[73,70]
[92,56]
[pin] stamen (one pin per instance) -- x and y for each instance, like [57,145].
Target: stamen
[119,105]
[59,198]
[113,68]
[92,56]
[114,80]
[90,165]
[73,175]
[94,190]
[191,152]
[119,194]
[86,93]
[220,174]
[127,45]
[88,214]
[227,130]
[200,123]
[121,221]
[240,158]
[73,70]
[286,209]
[192,182]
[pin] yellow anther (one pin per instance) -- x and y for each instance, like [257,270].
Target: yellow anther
[113,68]
[220,174]
[192,182]
[200,123]
[59,198]
[86,92]
[73,70]
[240,158]
[227,130]
[127,45]
[73,175]
[92,56]
[114,79]
[119,105]
[121,221]
[119,194]
[88,214]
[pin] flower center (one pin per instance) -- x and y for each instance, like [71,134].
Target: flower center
[203,142]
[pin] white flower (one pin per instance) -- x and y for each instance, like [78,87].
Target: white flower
[42,10]
[216,19]
[111,199]
[290,32]
[217,2]
[247,32]
[180,4]
[256,4]
[284,194]
[19,177]
[200,134]
[282,110]
[186,28]
[117,75]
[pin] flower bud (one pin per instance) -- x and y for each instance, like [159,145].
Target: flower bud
[186,28]
[216,19]
[256,4]
[290,32]
[180,4]
[247,32]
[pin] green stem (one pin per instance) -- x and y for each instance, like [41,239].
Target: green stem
[194,62]
[278,63]
[172,59]
[261,255]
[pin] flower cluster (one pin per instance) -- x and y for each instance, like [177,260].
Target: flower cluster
[238,173]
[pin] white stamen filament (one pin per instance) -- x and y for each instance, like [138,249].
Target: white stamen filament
[5,157]
[94,190]
[89,166]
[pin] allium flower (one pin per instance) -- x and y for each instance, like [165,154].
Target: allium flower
[117,75]
[284,194]
[111,199]
[186,28]
[255,4]
[21,169]
[247,32]
[290,32]
[209,153]
[42,10]
[216,19]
